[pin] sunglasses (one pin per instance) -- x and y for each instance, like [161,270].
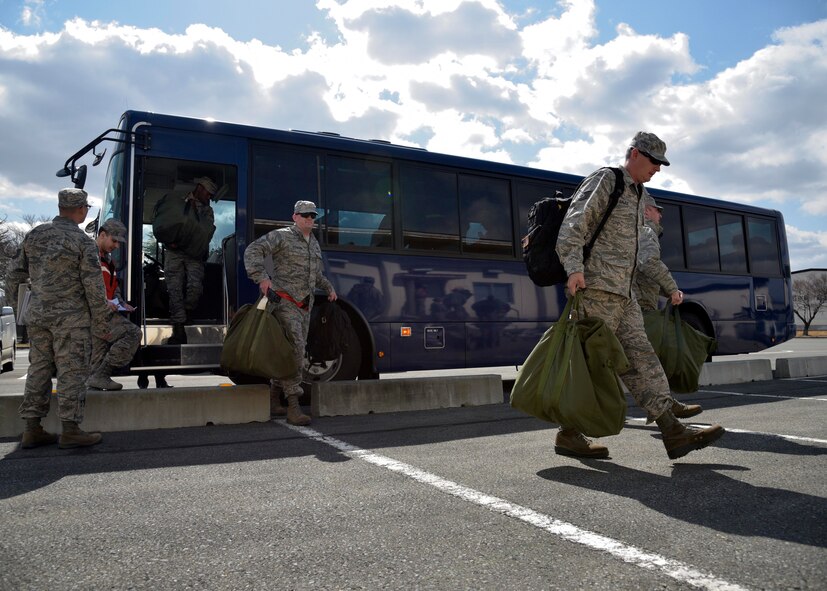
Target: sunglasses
[309,214]
[652,160]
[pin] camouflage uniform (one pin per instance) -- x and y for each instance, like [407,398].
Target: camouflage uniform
[297,271]
[181,268]
[653,277]
[124,337]
[68,304]
[609,273]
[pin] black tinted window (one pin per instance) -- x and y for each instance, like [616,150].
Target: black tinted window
[280,178]
[671,241]
[485,215]
[731,243]
[701,239]
[763,247]
[430,212]
[358,202]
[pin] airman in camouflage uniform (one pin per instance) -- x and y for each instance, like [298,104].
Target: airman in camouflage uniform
[68,304]
[125,336]
[182,268]
[653,279]
[297,272]
[606,280]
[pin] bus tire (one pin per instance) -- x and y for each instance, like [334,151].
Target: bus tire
[9,365]
[344,367]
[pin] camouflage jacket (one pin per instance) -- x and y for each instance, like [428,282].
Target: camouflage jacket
[653,277]
[611,266]
[67,285]
[297,263]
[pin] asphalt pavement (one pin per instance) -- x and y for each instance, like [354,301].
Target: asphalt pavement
[465,498]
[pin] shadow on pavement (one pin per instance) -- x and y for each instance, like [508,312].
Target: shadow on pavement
[700,494]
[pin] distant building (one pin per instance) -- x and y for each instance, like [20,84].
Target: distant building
[818,328]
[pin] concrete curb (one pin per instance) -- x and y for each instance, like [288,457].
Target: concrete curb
[735,372]
[374,396]
[799,367]
[133,410]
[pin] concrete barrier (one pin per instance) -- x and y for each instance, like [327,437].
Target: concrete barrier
[156,408]
[735,372]
[799,367]
[374,396]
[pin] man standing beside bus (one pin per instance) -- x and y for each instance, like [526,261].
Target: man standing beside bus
[605,279]
[68,305]
[653,279]
[125,336]
[297,272]
[184,260]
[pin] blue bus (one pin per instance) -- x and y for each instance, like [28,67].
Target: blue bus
[423,248]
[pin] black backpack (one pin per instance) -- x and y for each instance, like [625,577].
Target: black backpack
[544,220]
[327,337]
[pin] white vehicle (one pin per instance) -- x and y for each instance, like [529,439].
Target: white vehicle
[8,335]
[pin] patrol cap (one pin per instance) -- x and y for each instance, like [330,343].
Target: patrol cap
[115,229]
[72,197]
[650,201]
[304,207]
[651,145]
[207,183]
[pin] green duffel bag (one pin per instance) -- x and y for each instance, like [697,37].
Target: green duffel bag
[570,378]
[256,344]
[177,225]
[682,350]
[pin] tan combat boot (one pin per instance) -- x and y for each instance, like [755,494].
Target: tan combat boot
[680,439]
[684,411]
[277,409]
[74,436]
[34,435]
[295,416]
[571,442]
[101,380]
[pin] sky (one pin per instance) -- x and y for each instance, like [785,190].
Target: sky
[736,88]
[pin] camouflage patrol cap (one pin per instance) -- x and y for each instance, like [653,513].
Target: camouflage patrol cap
[72,197]
[115,229]
[651,145]
[650,201]
[207,183]
[304,207]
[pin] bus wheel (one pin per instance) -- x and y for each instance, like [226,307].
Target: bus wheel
[344,367]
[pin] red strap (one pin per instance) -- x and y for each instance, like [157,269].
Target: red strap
[286,296]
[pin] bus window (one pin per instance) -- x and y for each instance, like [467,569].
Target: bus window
[763,247]
[430,219]
[701,239]
[731,243]
[280,178]
[671,241]
[485,215]
[358,202]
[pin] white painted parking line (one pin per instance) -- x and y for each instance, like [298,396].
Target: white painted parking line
[765,434]
[567,531]
[803,398]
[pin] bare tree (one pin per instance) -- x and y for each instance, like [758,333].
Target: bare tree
[11,236]
[809,295]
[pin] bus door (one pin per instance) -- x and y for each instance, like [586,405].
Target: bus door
[170,170]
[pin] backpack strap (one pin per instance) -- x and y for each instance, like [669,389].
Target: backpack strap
[613,199]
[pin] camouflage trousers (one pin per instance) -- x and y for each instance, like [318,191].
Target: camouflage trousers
[119,349]
[296,323]
[646,381]
[65,353]
[184,277]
